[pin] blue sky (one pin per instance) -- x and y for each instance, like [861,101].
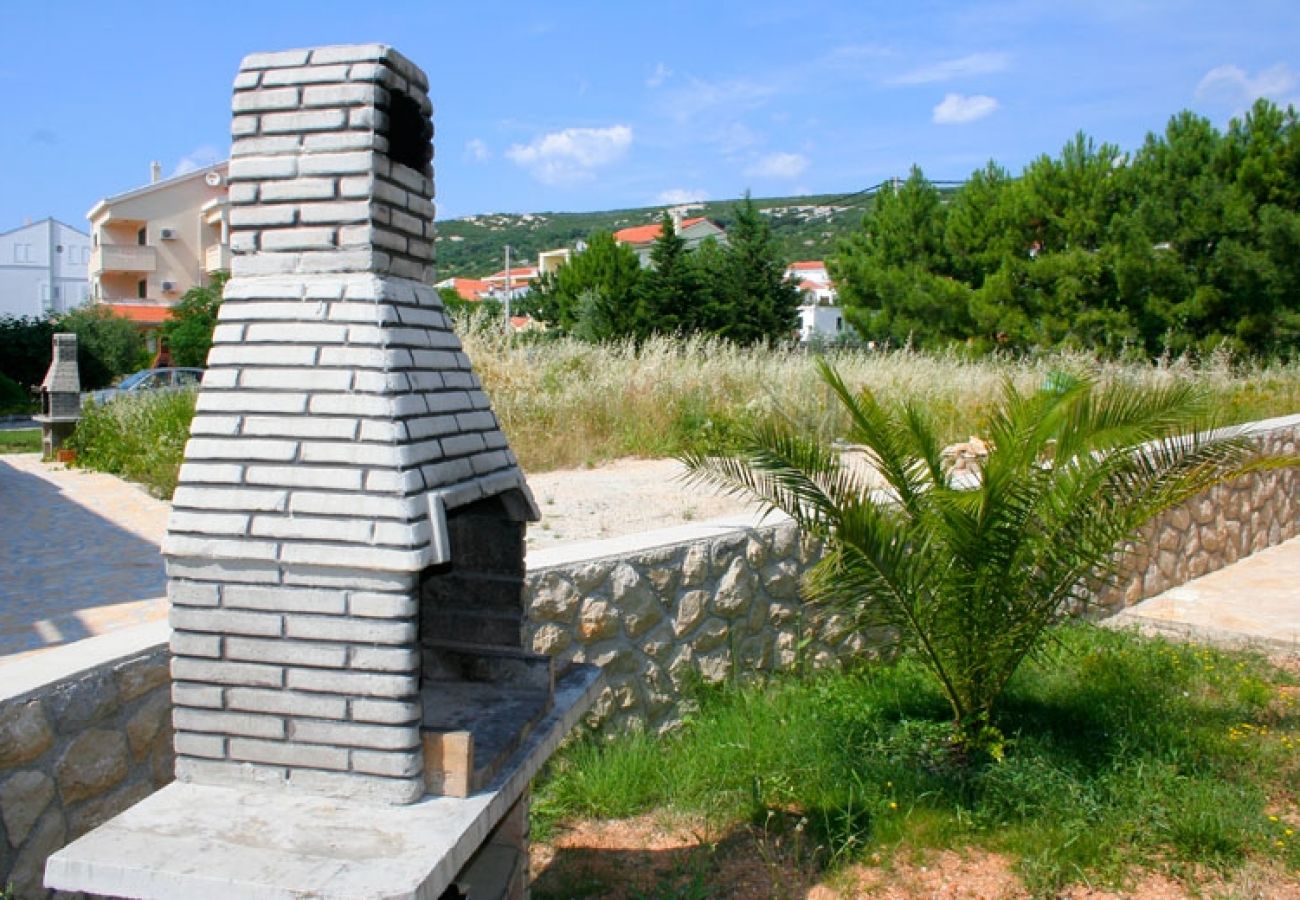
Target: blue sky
[563,106]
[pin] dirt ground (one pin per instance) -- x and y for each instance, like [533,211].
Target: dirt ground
[618,498]
[646,857]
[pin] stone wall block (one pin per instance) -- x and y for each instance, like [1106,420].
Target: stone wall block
[695,565]
[550,639]
[28,875]
[553,598]
[636,600]
[735,589]
[598,620]
[712,634]
[25,733]
[24,796]
[93,762]
[146,723]
[691,607]
[780,580]
[138,678]
[77,704]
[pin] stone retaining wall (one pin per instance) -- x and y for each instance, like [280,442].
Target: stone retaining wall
[657,611]
[76,751]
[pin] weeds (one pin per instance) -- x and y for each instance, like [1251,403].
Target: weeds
[1120,751]
[141,438]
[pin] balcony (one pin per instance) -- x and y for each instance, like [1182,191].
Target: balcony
[216,258]
[122,258]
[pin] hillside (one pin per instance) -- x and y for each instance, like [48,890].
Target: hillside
[804,227]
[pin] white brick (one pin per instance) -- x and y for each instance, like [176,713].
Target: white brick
[201,473]
[380,382]
[402,534]
[462,444]
[274,60]
[263,215]
[259,168]
[189,593]
[436,359]
[297,189]
[409,337]
[372,430]
[394,482]
[246,80]
[297,379]
[259,146]
[246,401]
[342,140]
[490,462]
[449,472]
[369,334]
[383,558]
[347,53]
[431,426]
[317,261]
[407,223]
[188,643]
[312,756]
[241,448]
[425,381]
[242,126]
[384,659]
[305,528]
[186,719]
[226,571]
[387,712]
[382,606]
[358,186]
[283,599]
[305,477]
[208,522]
[240,194]
[317,120]
[363,357]
[414,181]
[364,684]
[259,101]
[243,355]
[248,500]
[343,628]
[269,311]
[243,242]
[394,765]
[353,734]
[221,672]
[351,453]
[301,427]
[224,621]
[409,405]
[185,693]
[298,239]
[357,162]
[286,703]
[220,425]
[225,333]
[374,405]
[370,506]
[366,117]
[295,653]
[448,401]
[306,75]
[339,211]
[211,746]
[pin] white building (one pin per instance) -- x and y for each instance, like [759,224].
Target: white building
[820,317]
[43,269]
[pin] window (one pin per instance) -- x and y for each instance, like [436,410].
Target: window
[142,237]
[22,253]
[142,288]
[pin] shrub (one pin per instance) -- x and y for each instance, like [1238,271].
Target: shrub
[139,437]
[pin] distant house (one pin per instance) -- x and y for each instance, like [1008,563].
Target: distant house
[152,244]
[43,269]
[693,232]
[820,316]
[470,289]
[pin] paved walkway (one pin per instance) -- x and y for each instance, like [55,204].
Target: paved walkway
[79,557]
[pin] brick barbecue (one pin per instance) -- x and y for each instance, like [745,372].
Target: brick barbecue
[60,395]
[346,548]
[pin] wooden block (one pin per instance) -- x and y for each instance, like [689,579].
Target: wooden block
[448,762]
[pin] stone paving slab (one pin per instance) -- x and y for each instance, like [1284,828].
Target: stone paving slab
[1254,602]
[79,553]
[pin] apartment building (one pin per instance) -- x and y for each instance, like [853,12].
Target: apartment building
[43,269]
[152,244]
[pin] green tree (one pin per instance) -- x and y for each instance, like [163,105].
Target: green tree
[606,270]
[108,345]
[971,578]
[668,294]
[26,345]
[751,300]
[189,330]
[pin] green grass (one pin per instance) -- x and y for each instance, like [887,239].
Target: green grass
[139,437]
[1123,753]
[24,440]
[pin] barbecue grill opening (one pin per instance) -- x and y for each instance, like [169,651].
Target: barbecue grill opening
[409,132]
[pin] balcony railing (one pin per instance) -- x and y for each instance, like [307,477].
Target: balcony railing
[123,258]
[216,257]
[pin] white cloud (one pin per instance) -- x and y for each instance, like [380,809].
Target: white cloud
[477,150]
[961,67]
[661,74]
[679,196]
[1231,87]
[779,165]
[569,156]
[958,109]
[198,158]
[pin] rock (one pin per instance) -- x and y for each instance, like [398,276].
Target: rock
[24,733]
[695,565]
[145,723]
[785,541]
[138,678]
[94,762]
[781,580]
[735,589]
[28,874]
[690,609]
[23,797]
[551,639]
[635,599]
[597,621]
[81,703]
[553,599]
[712,634]
[588,578]
[756,552]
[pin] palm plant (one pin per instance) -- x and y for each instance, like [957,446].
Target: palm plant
[971,575]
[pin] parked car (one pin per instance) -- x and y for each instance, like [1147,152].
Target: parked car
[148,380]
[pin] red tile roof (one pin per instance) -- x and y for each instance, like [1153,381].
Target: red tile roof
[808,264]
[469,288]
[141,313]
[644,234]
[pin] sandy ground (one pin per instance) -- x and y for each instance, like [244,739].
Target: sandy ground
[618,498]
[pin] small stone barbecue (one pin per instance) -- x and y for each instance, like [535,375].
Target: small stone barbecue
[60,395]
[346,548]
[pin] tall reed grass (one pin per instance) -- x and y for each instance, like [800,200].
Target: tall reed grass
[139,437]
